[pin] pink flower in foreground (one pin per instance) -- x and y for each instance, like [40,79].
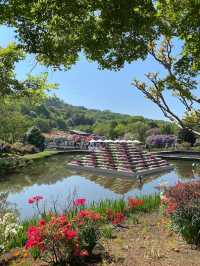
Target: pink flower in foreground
[31,201]
[80,202]
[34,199]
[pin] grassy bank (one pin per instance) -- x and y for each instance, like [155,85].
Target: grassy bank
[40,155]
[11,162]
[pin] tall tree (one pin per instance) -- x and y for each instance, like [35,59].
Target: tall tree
[179,79]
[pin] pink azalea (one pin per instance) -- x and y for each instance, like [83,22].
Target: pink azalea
[80,202]
[34,199]
[31,201]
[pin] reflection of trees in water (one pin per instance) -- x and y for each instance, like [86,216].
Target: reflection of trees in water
[53,169]
[185,170]
[47,171]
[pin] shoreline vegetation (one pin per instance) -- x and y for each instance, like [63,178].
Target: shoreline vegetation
[12,162]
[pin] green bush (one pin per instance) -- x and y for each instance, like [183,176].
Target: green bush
[34,137]
[186,220]
[182,204]
[185,135]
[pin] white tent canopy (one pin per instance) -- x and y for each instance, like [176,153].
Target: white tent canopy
[136,141]
[119,141]
[115,141]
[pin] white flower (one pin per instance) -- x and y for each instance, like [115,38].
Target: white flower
[9,228]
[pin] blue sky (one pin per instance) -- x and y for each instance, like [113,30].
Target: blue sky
[86,85]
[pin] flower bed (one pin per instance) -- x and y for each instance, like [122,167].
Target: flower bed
[71,236]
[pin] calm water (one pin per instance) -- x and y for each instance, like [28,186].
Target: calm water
[52,179]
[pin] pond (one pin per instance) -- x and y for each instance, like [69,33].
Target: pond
[55,182]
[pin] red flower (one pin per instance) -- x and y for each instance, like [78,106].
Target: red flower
[133,202]
[34,237]
[83,213]
[37,198]
[171,207]
[95,216]
[118,218]
[31,201]
[70,234]
[80,202]
[115,217]
[42,222]
[62,219]
[34,199]
[89,214]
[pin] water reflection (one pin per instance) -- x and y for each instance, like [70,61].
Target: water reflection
[52,179]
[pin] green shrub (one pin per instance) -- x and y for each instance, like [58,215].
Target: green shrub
[186,221]
[186,135]
[182,204]
[34,137]
[107,231]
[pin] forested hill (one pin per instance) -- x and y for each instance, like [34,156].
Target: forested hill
[53,113]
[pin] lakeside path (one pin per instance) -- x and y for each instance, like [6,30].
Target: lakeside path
[150,242]
[183,155]
[49,153]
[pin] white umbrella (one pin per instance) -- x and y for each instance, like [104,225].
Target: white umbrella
[136,141]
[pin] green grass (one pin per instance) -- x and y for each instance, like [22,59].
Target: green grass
[103,205]
[40,155]
[151,202]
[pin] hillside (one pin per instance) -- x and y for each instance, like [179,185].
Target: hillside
[54,113]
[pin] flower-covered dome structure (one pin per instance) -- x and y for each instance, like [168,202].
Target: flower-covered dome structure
[121,159]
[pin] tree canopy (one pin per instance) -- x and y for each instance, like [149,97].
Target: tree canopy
[10,85]
[111,32]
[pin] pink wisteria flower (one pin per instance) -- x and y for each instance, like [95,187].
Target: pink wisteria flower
[35,199]
[80,202]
